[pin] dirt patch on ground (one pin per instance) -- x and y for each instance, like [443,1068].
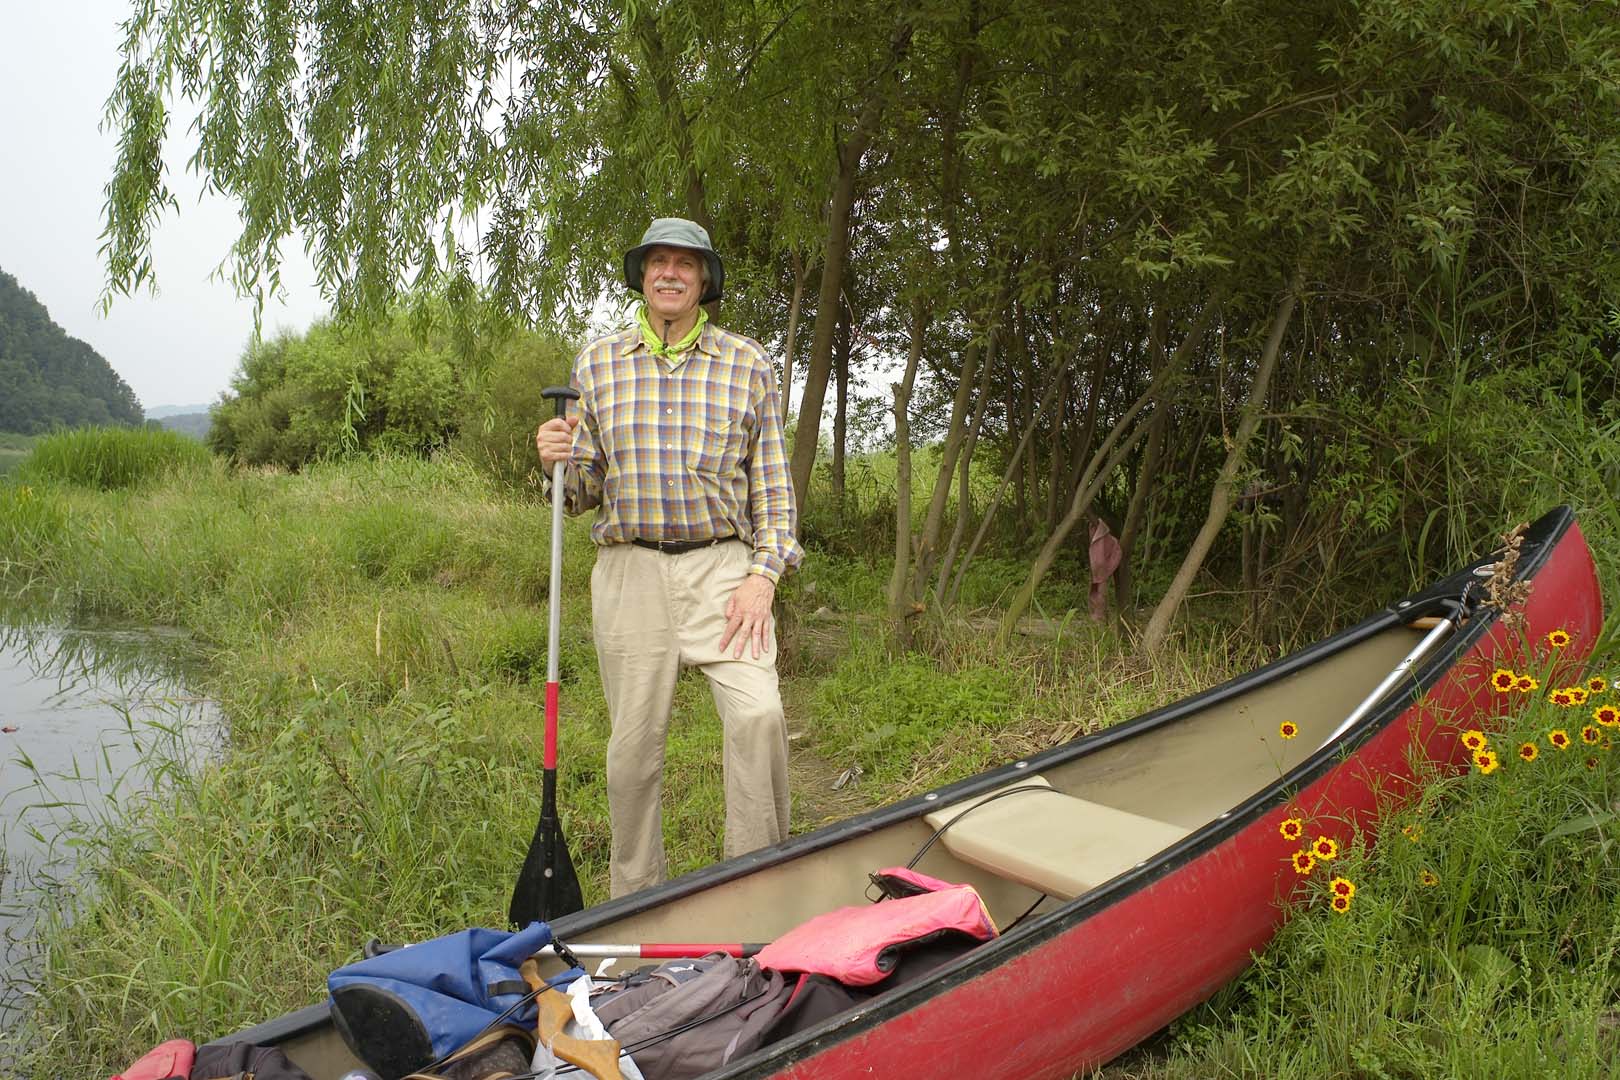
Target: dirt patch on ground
[822,791]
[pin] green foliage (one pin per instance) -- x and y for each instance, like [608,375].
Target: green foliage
[110,458]
[496,424]
[1075,181]
[49,380]
[388,388]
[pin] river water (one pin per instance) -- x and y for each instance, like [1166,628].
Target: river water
[90,719]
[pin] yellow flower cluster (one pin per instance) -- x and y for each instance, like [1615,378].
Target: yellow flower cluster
[1321,850]
[1505,680]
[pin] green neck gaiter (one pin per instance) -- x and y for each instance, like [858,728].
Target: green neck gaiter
[675,348]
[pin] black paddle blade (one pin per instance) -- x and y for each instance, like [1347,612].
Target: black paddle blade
[547,887]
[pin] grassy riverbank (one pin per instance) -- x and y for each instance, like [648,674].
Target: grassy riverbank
[376,639]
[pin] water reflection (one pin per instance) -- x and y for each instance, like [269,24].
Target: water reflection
[91,721]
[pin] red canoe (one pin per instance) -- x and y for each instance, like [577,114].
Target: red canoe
[1157,853]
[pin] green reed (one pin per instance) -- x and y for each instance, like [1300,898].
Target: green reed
[109,458]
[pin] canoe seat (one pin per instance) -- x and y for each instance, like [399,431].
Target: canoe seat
[1047,840]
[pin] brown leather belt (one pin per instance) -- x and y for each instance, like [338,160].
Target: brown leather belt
[680,547]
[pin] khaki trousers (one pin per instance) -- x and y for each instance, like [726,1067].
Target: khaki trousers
[651,614]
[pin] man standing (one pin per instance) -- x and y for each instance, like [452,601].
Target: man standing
[676,441]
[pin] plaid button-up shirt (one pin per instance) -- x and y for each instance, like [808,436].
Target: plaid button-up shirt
[687,451]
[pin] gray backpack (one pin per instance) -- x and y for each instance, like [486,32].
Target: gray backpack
[689,1017]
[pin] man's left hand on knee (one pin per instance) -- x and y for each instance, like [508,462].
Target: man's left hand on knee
[748,616]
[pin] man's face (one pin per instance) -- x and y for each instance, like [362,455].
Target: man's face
[672,282]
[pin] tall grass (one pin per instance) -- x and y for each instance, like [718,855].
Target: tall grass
[106,459]
[377,643]
[375,633]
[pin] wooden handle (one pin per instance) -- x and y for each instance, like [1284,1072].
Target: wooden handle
[598,1057]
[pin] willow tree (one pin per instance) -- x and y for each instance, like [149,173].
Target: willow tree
[1443,177]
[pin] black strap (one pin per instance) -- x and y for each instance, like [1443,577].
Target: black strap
[506,986]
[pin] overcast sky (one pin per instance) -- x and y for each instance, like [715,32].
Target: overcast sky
[57,64]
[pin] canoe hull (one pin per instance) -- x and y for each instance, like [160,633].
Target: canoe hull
[1111,973]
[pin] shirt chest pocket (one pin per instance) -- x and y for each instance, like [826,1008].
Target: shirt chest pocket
[716,443]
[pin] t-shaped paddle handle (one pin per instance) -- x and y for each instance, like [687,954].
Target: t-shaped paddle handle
[560,396]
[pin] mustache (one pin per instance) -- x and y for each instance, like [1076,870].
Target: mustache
[669,283]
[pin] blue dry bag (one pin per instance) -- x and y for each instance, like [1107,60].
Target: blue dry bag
[406,1008]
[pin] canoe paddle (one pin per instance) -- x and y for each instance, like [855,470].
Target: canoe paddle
[547,886]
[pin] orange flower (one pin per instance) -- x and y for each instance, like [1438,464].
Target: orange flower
[1291,829]
[1325,848]
[1607,715]
[1503,680]
[1475,740]
[1528,751]
[1558,638]
[1485,761]
[1559,738]
[1288,729]
[1590,735]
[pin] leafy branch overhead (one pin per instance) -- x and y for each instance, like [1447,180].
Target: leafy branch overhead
[1430,193]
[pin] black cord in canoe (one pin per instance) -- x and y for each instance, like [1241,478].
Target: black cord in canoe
[960,814]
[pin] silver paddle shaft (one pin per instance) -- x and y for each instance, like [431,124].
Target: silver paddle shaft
[554,613]
[1402,671]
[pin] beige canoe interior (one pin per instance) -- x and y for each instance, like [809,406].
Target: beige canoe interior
[1080,824]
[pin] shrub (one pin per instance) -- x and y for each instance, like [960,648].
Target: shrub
[496,428]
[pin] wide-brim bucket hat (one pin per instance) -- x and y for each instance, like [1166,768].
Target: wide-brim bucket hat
[681,233]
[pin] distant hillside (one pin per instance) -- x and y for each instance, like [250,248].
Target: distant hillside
[194,424]
[163,412]
[48,379]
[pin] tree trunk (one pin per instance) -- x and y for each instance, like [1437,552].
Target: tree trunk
[1091,483]
[1098,471]
[835,248]
[1054,461]
[1017,420]
[1220,499]
[842,345]
[1080,450]
[801,273]
[900,602]
[1146,474]
[1146,477]
[964,465]
[933,522]
[1048,397]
